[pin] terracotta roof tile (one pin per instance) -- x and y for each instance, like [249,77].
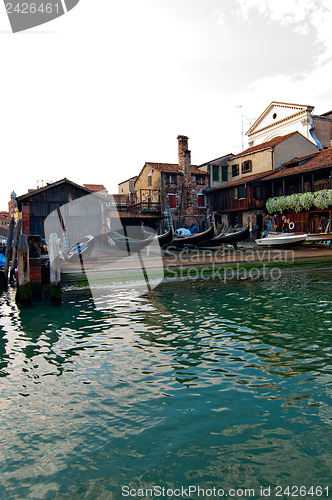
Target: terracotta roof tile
[322,159]
[265,145]
[95,187]
[242,180]
[173,168]
[295,161]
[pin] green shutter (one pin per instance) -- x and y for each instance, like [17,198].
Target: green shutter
[225,173]
[215,173]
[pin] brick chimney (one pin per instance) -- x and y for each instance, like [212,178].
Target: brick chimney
[184,159]
[185,167]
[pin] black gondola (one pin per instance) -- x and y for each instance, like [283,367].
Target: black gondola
[193,240]
[227,239]
[163,239]
[129,245]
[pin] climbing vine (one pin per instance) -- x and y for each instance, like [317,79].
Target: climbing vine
[300,201]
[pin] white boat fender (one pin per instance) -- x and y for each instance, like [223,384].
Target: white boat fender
[291,225]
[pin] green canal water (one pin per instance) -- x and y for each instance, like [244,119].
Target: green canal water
[199,383]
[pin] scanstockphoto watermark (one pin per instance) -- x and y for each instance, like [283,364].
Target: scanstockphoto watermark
[227,265]
[225,274]
[223,256]
[27,14]
[278,491]
[186,492]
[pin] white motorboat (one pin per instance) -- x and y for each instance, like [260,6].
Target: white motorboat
[318,237]
[281,240]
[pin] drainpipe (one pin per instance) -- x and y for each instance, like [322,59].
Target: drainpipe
[162,193]
[313,135]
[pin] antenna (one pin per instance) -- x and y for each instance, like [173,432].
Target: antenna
[241,125]
[42,182]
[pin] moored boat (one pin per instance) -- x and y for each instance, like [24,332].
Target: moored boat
[227,238]
[282,240]
[84,247]
[194,240]
[129,245]
[318,237]
[163,239]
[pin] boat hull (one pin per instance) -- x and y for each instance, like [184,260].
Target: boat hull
[84,247]
[319,237]
[192,241]
[129,245]
[227,239]
[285,240]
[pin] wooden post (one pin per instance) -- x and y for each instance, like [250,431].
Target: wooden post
[23,294]
[8,253]
[17,232]
[55,274]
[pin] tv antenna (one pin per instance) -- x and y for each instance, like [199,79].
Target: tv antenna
[42,182]
[242,117]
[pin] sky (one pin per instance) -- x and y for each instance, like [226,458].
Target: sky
[96,93]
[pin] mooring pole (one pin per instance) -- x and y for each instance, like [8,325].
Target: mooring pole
[23,293]
[8,253]
[17,232]
[55,274]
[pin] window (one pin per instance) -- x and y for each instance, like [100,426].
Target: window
[215,173]
[172,178]
[235,170]
[224,173]
[172,200]
[242,192]
[246,167]
[258,192]
[201,201]
[200,179]
[150,180]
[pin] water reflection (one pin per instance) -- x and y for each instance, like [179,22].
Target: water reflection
[249,334]
[165,389]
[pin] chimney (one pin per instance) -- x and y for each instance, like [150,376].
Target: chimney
[184,158]
[185,168]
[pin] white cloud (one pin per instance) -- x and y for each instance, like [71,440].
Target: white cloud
[302,17]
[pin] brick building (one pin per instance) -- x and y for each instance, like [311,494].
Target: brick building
[174,190]
[4,219]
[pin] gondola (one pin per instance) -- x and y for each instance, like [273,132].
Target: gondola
[83,248]
[129,245]
[194,240]
[227,239]
[163,239]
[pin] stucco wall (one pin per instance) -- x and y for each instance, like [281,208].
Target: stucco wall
[142,184]
[323,131]
[126,187]
[261,162]
[293,147]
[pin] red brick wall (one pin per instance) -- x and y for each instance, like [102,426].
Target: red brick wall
[25,219]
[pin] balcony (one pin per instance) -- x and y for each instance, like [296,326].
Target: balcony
[237,205]
[147,207]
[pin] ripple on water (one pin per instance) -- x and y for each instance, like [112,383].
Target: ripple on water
[188,385]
